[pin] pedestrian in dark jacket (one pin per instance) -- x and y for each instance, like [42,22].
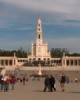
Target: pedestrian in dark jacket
[62,82]
[24,80]
[52,83]
[47,83]
[1,82]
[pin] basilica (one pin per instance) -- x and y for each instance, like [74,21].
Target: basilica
[40,54]
[39,49]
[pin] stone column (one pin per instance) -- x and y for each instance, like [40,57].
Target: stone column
[77,63]
[3,62]
[32,49]
[8,63]
[13,62]
[0,62]
[65,61]
[73,62]
[69,62]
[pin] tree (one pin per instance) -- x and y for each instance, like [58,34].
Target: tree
[58,52]
[19,53]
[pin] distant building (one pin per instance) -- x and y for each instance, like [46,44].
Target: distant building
[70,61]
[40,54]
[39,49]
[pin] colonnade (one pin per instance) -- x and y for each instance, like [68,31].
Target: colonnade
[66,61]
[7,62]
[71,61]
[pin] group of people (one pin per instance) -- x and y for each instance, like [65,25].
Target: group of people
[50,83]
[22,79]
[8,81]
[5,81]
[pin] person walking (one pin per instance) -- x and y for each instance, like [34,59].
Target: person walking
[52,83]
[62,82]
[24,80]
[5,85]
[1,82]
[47,84]
[13,80]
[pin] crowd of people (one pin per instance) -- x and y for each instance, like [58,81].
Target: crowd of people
[50,83]
[8,81]
[5,81]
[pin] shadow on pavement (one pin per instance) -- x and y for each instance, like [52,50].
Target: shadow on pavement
[75,92]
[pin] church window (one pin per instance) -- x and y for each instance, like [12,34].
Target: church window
[38,29]
[39,25]
[39,36]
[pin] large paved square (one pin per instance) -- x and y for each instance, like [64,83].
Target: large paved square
[33,90]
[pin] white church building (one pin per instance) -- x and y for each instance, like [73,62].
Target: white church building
[39,50]
[40,53]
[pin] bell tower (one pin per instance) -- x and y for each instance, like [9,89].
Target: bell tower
[39,31]
[39,50]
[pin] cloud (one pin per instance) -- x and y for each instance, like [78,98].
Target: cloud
[56,9]
[27,28]
[73,21]
[52,11]
[69,7]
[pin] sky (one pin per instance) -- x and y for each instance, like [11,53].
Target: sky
[60,23]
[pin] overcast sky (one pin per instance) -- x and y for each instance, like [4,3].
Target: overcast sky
[60,22]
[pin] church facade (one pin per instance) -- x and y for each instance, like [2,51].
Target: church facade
[39,50]
[40,54]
